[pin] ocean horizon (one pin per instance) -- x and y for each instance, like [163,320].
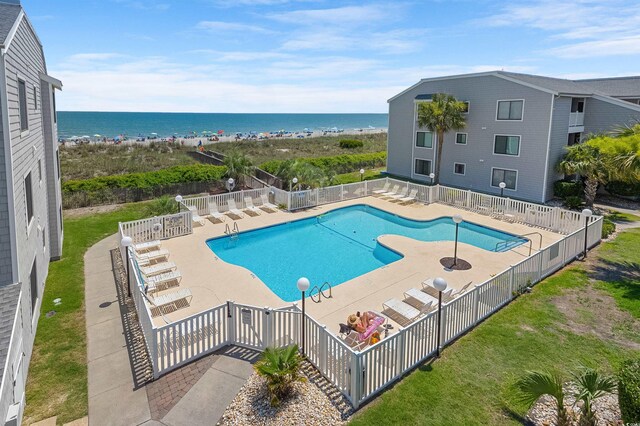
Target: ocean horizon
[166,124]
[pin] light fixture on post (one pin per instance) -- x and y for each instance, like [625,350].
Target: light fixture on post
[303,285]
[587,213]
[126,243]
[439,284]
[178,201]
[230,184]
[457,219]
[295,182]
[432,176]
[502,186]
[361,175]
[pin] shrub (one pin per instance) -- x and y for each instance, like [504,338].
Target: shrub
[573,202]
[281,368]
[351,143]
[629,391]
[564,189]
[623,188]
[608,227]
[337,164]
[161,206]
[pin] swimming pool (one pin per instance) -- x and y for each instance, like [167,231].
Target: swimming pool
[339,245]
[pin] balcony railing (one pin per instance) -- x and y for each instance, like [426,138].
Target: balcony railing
[576,119]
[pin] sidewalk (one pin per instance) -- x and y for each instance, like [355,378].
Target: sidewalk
[120,390]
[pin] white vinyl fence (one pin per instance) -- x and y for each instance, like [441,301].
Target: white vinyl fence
[221,200]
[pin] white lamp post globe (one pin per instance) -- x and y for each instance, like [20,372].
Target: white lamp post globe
[587,213]
[126,241]
[178,198]
[303,284]
[361,171]
[440,284]
[432,175]
[457,218]
[230,181]
[502,185]
[294,180]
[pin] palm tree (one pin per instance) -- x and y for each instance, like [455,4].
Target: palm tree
[238,166]
[161,206]
[535,384]
[629,129]
[589,162]
[591,386]
[443,114]
[281,368]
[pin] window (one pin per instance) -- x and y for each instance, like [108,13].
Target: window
[424,139]
[40,171]
[34,286]
[509,177]
[28,193]
[461,138]
[35,98]
[58,162]
[510,110]
[466,107]
[507,145]
[44,239]
[577,104]
[459,168]
[53,98]
[423,167]
[22,101]
[61,223]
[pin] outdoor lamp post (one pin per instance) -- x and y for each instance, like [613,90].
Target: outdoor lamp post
[457,219]
[587,214]
[502,186]
[432,176]
[361,175]
[230,184]
[295,182]
[303,285]
[178,201]
[126,243]
[441,285]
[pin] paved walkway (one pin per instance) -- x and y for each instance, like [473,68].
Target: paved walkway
[120,392]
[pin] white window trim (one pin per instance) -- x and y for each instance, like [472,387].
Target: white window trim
[20,77]
[36,104]
[415,137]
[31,221]
[509,100]
[507,155]
[40,172]
[508,170]
[421,159]
[466,139]
[461,164]
[468,107]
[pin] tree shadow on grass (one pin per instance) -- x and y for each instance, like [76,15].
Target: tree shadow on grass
[618,217]
[623,276]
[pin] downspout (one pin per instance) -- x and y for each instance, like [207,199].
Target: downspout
[546,162]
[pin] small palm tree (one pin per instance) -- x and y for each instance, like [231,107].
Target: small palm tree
[443,114]
[591,386]
[281,368]
[161,206]
[629,129]
[238,166]
[535,384]
[589,162]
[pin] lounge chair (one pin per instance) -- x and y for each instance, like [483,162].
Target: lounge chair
[151,256]
[427,287]
[195,216]
[401,312]
[214,213]
[399,195]
[384,189]
[267,205]
[233,209]
[456,293]
[394,191]
[162,281]
[248,202]
[410,198]
[415,296]
[147,246]
[169,302]
[157,268]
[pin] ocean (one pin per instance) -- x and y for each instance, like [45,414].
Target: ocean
[132,124]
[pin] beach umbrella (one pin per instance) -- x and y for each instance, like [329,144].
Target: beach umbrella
[97,136]
[221,132]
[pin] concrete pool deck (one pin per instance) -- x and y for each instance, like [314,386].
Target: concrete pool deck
[213,281]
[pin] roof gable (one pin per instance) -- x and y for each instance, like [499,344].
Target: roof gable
[9,13]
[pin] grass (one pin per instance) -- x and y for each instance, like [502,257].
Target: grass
[57,382]
[621,217]
[471,383]
[355,176]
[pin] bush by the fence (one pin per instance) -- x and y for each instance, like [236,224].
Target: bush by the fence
[629,391]
[573,202]
[608,227]
[564,189]
[337,164]
[351,143]
[148,180]
[624,188]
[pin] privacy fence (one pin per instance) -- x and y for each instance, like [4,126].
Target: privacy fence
[359,375]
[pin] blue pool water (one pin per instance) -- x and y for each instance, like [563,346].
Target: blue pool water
[338,246]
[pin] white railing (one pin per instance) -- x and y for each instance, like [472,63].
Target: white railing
[137,291]
[201,203]
[576,119]
[157,228]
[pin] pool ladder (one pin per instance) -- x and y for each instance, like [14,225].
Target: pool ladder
[321,292]
[233,233]
[521,237]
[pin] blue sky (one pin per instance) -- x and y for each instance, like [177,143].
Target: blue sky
[315,55]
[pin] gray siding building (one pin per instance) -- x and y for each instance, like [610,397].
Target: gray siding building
[30,198]
[517,126]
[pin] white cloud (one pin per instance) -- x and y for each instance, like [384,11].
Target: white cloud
[150,5]
[215,26]
[599,48]
[351,15]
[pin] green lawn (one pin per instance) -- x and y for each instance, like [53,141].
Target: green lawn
[545,330]
[57,382]
[355,176]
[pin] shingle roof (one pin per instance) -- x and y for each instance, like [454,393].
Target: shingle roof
[558,85]
[618,87]
[8,15]
[8,304]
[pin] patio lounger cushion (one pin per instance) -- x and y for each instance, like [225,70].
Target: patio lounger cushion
[407,312]
[146,246]
[248,202]
[266,204]
[376,322]
[233,209]
[384,189]
[158,268]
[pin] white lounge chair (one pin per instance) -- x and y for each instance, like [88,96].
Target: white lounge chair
[214,213]
[266,204]
[456,293]
[233,209]
[195,216]
[427,287]
[151,256]
[248,202]
[384,189]
[169,302]
[394,191]
[147,246]
[162,281]
[157,268]
[410,198]
[400,312]
[419,297]
[399,195]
